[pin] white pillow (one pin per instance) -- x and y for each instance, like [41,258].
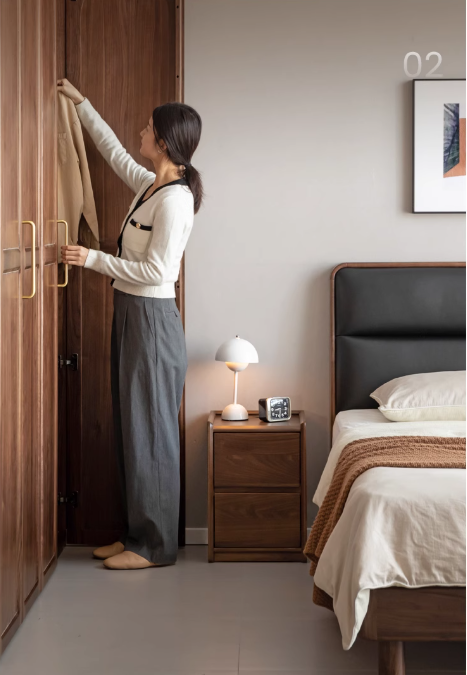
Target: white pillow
[427,396]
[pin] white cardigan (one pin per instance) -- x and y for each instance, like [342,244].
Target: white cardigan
[150,259]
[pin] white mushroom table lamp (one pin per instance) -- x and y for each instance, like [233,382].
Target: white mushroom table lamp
[237,354]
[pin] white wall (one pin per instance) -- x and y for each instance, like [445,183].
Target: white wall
[306,156]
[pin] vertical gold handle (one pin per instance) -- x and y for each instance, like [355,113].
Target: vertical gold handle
[33,258]
[66,264]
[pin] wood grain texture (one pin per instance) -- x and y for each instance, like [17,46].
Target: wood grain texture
[254,424]
[391,658]
[124,93]
[257,460]
[28,331]
[61,323]
[210,467]
[49,334]
[30,386]
[258,520]
[10,325]
[303,515]
[417,614]
[256,489]
[249,555]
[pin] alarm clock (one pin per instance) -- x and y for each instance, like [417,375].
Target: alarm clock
[275,409]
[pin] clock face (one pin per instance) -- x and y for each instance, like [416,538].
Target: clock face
[279,408]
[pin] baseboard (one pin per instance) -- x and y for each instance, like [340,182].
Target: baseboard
[197,536]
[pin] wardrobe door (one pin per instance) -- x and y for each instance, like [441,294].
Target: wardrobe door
[28,306]
[30,184]
[11,291]
[61,313]
[48,248]
[124,92]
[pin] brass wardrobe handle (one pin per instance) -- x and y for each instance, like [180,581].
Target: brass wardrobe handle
[33,258]
[66,243]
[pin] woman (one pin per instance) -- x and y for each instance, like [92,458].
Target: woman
[148,352]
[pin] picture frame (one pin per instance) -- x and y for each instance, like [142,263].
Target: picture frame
[439,181]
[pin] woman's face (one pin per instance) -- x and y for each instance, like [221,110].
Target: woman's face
[148,146]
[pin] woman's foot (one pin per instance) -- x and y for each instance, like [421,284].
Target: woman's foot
[127,561]
[108,551]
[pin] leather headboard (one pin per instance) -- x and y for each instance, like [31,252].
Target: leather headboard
[389,321]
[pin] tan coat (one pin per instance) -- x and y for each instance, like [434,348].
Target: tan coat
[75,195]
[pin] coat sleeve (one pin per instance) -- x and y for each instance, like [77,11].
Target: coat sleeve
[89,205]
[170,233]
[132,173]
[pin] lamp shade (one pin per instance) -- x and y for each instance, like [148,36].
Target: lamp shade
[237,350]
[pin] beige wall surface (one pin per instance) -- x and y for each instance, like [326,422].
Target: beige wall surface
[306,157]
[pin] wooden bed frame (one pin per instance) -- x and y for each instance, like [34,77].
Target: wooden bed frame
[397,615]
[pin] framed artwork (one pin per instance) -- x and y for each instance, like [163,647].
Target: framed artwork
[439,146]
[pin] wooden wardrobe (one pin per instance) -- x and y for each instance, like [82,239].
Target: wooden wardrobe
[58,480]
[28,306]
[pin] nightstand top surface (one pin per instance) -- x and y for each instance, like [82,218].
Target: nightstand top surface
[253,423]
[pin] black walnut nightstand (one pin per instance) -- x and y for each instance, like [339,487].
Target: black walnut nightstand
[256,488]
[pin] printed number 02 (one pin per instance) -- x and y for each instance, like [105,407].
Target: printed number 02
[419,60]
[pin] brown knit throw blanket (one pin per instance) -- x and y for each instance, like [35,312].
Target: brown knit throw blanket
[368,453]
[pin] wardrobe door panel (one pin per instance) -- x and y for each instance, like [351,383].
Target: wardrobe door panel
[124,93]
[61,314]
[48,246]
[10,324]
[28,305]
[30,184]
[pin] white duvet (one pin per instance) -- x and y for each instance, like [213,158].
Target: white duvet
[399,527]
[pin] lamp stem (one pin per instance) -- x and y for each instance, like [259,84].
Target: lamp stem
[235,386]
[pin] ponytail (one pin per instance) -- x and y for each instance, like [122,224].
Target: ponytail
[193,178]
[179,125]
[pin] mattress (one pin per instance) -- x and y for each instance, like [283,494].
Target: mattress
[351,419]
[399,527]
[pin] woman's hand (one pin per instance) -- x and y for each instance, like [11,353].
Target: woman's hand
[69,90]
[74,255]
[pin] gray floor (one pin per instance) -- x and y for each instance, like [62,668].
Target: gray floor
[193,619]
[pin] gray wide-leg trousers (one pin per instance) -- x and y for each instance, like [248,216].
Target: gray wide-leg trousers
[148,367]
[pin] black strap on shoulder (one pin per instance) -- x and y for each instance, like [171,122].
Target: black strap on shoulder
[179,181]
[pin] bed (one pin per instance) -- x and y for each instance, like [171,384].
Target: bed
[391,320]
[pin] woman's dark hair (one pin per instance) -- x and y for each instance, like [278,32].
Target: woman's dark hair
[179,126]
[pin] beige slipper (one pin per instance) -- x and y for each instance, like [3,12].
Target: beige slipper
[108,551]
[127,561]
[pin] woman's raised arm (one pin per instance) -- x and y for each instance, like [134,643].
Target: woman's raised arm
[132,173]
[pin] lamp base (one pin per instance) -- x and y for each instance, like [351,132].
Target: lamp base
[234,411]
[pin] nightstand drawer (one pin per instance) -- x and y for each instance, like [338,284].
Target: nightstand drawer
[263,520]
[256,459]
